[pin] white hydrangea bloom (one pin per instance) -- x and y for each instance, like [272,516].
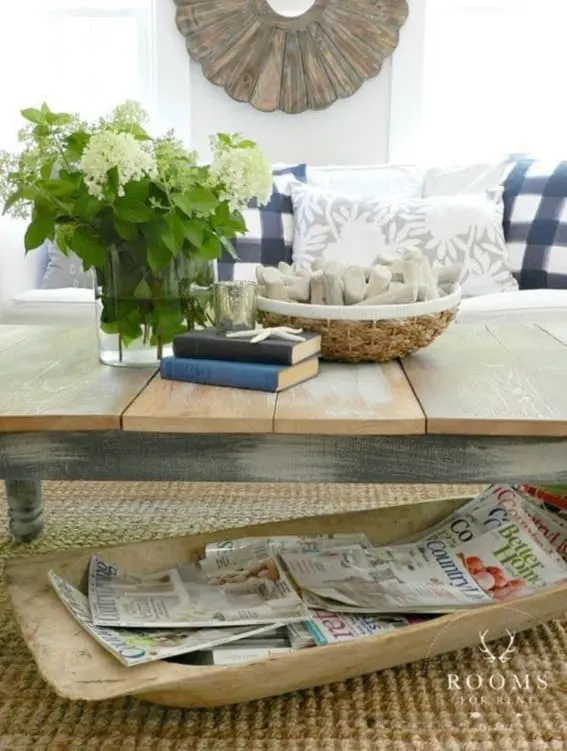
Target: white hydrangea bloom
[134,160]
[244,174]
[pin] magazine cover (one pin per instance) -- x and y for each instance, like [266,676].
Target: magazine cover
[334,628]
[239,588]
[142,646]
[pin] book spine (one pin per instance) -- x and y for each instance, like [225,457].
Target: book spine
[218,373]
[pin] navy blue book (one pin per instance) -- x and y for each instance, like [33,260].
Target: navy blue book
[214,345]
[241,375]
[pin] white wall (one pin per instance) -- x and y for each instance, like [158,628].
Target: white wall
[353,130]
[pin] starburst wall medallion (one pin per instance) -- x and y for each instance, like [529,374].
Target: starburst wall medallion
[291,64]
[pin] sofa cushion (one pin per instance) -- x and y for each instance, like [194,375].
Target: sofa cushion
[464,229]
[520,306]
[269,236]
[535,223]
[376,180]
[68,305]
[64,271]
[476,177]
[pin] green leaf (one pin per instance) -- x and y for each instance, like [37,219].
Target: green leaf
[167,238]
[12,199]
[229,247]
[38,231]
[159,256]
[109,328]
[143,290]
[125,230]
[47,169]
[194,232]
[33,115]
[196,200]
[138,190]
[88,246]
[176,227]
[58,118]
[59,187]
[133,211]
[211,248]
[86,207]
[75,145]
[61,240]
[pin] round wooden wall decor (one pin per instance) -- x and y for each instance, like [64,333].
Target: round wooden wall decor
[290,63]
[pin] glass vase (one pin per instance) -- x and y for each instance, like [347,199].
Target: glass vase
[139,311]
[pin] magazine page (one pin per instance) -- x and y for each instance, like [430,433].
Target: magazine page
[431,576]
[494,507]
[299,635]
[291,542]
[334,628]
[553,496]
[552,526]
[489,509]
[508,562]
[403,578]
[142,646]
[251,589]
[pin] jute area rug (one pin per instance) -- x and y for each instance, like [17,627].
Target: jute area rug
[410,707]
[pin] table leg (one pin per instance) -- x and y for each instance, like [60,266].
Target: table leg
[25,509]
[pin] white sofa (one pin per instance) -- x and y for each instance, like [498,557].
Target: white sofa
[21,300]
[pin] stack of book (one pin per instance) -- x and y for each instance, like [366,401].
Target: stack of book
[211,357]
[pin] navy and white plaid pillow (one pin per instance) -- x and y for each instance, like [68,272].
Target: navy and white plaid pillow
[269,235]
[535,223]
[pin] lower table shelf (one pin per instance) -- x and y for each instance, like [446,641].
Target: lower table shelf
[78,668]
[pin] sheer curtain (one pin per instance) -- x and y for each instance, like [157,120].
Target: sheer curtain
[487,77]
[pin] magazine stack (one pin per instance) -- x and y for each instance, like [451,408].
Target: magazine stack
[249,598]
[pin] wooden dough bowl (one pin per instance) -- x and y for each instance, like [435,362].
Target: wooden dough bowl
[77,668]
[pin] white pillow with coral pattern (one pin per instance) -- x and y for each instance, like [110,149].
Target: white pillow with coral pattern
[464,229]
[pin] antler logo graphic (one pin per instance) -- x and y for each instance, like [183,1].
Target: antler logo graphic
[489,655]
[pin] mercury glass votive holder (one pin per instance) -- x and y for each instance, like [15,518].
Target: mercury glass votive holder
[234,305]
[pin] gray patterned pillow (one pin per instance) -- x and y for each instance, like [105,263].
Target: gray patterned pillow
[65,271]
[464,229]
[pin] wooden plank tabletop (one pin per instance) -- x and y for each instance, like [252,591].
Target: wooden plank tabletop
[174,407]
[50,379]
[501,379]
[364,399]
[497,380]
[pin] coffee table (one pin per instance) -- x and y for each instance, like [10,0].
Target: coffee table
[482,404]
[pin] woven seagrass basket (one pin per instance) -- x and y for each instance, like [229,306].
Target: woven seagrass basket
[373,333]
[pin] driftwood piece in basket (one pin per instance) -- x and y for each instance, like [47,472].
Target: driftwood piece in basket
[290,63]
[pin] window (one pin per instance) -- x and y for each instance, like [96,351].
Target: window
[85,56]
[77,56]
[489,81]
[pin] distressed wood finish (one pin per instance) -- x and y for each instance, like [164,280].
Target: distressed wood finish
[50,379]
[290,63]
[114,455]
[364,399]
[505,380]
[25,509]
[166,406]
[68,658]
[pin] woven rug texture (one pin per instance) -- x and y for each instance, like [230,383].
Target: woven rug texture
[410,707]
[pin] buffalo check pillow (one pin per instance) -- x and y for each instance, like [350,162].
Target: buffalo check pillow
[535,223]
[269,236]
